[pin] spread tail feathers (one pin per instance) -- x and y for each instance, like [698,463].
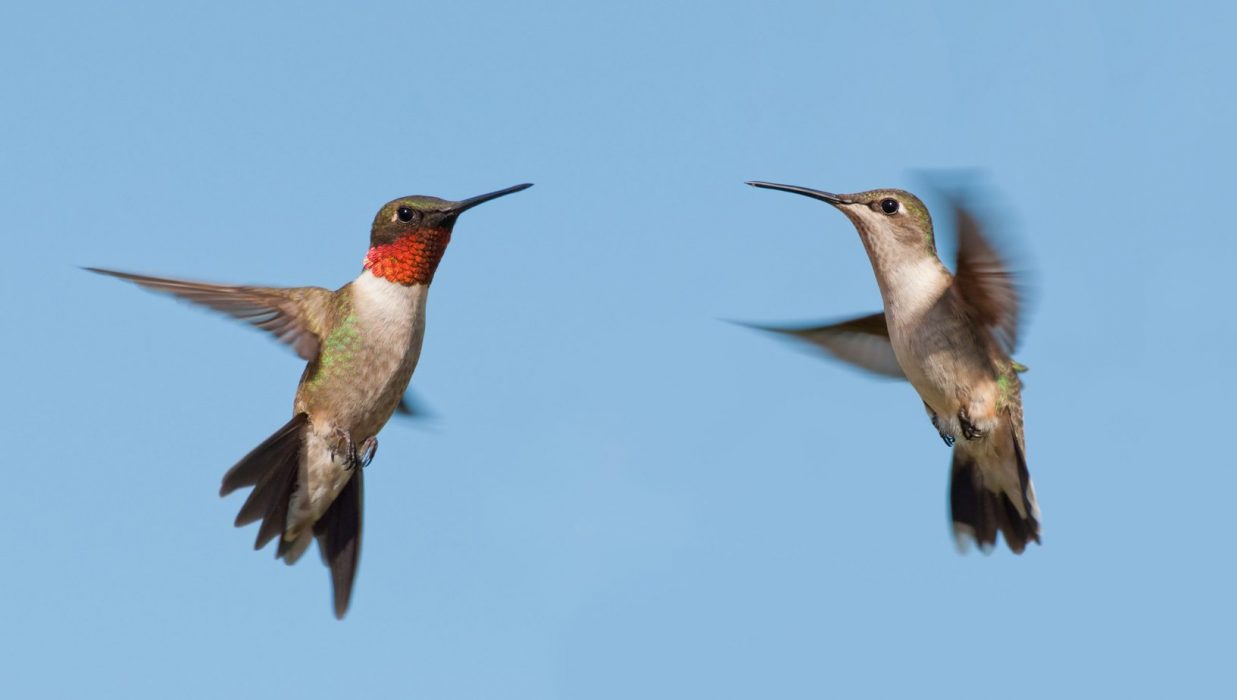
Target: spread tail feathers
[272,469]
[992,492]
[339,539]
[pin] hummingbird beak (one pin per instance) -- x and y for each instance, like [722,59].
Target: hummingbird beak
[806,192]
[461,207]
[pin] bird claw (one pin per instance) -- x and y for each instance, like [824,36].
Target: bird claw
[936,423]
[970,431]
[348,447]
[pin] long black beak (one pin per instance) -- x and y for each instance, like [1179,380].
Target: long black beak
[471,202]
[806,192]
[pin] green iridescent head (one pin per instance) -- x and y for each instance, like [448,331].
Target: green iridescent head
[408,215]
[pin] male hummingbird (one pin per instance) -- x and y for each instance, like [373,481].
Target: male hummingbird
[952,337]
[361,342]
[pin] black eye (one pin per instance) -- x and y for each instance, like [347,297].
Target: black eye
[889,205]
[404,213]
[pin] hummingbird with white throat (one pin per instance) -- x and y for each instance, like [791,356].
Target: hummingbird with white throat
[951,336]
[361,342]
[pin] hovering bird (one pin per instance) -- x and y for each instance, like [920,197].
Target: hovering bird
[951,335]
[361,342]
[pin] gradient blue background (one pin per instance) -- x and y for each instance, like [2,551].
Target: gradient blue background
[623,496]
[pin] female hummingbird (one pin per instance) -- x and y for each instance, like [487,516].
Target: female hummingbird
[951,335]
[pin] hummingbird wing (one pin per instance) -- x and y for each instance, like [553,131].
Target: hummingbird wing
[410,406]
[294,315]
[862,342]
[985,282]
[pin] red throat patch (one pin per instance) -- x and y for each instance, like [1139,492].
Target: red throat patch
[411,259]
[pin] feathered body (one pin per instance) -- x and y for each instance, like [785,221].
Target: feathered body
[950,336]
[355,384]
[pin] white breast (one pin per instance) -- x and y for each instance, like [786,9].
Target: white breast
[911,294]
[392,311]
[393,316]
[913,288]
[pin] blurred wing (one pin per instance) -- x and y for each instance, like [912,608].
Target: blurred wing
[294,315]
[984,281]
[412,407]
[862,342]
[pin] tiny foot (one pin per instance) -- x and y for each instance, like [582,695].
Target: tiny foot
[347,446]
[936,423]
[969,430]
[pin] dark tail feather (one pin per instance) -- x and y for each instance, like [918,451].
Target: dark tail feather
[339,538]
[271,469]
[980,512]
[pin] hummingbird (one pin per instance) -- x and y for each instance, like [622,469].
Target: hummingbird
[952,337]
[361,343]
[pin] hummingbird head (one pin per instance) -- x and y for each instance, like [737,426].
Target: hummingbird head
[410,235]
[890,222]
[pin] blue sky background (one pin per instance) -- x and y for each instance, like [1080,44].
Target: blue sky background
[623,496]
